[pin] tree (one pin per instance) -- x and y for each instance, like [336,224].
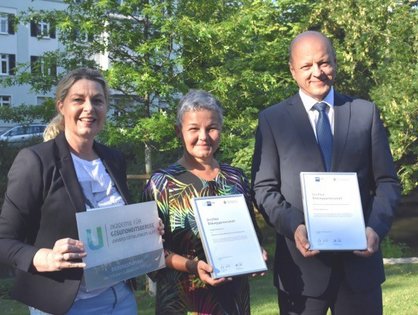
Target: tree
[376,44]
[396,91]
[160,49]
[137,38]
[26,114]
[239,52]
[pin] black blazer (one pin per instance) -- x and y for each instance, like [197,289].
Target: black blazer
[285,146]
[42,197]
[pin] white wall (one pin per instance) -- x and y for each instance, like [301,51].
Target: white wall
[23,46]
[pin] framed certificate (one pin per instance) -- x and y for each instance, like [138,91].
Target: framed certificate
[121,242]
[228,235]
[333,212]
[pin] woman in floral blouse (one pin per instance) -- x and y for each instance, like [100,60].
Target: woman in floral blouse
[186,286]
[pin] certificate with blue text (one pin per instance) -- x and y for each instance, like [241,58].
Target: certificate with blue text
[121,242]
[333,211]
[228,236]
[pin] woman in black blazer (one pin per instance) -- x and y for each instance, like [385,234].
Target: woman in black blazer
[48,183]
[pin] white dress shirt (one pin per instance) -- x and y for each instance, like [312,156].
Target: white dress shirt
[313,114]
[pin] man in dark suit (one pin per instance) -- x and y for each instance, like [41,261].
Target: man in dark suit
[287,143]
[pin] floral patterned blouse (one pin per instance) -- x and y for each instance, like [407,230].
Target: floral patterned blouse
[183,293]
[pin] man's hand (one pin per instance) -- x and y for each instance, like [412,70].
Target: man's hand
[302,243]
[372,244]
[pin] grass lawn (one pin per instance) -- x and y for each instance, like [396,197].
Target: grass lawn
[400,291]
[400,295]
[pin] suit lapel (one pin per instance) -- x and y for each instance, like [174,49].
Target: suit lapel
[306,134]
[68,174]
[342,116]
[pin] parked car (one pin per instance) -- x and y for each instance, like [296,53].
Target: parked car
[23,133]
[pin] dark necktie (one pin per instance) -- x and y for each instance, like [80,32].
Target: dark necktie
[324,134]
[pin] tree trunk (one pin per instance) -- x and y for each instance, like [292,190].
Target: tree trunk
[148,159]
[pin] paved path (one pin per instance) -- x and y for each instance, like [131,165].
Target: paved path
[395,261]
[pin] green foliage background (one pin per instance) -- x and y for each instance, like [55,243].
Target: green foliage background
[238,50]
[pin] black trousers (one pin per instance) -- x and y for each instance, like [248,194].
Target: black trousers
[338,297]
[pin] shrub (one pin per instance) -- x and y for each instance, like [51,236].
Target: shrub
[390,249]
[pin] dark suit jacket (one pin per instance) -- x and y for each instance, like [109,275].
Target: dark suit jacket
[285,146]
[42,197]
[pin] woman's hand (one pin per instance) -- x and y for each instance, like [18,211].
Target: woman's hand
[265,258]
[160,227]
[61,256]
[203,271]
[194,266]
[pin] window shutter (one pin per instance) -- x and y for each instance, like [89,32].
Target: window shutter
[11,22]
[33,29]
[33,64]
[52,31]
[12,64]
[54,69]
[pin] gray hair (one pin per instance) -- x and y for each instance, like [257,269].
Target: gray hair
[196,100]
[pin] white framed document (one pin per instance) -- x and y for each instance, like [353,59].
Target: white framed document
[333,211]
[228,236]
[121,242]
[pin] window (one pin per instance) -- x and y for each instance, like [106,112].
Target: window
[4,24]
[7,23]
[81,36]
[5,100]
[40,100]
[42,29]
[4,60]
[7,64]
[42,66]
[17,131]
[36,129]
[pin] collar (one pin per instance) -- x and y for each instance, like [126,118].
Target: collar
[309,101]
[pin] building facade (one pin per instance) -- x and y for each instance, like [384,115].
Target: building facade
[24,44]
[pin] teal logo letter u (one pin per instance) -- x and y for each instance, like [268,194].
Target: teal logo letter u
[95,241]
